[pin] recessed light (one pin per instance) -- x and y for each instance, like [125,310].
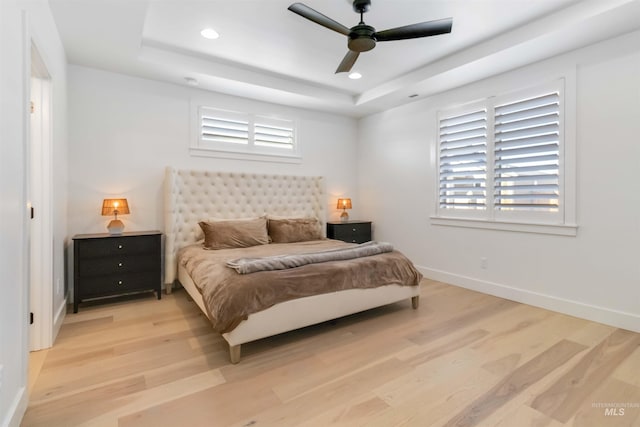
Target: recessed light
[355,75]
[209,33]
[191,81]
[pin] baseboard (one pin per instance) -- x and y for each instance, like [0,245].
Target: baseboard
[17,409]
[594,313]
[61,312]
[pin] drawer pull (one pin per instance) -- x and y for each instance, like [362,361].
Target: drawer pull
[353,241]
[119,282]
[119,246]
[119,264]
[354,229]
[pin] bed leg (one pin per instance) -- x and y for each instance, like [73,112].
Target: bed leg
[415,302]
[234,353]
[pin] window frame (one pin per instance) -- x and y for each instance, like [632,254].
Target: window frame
[202,147]
[560,223]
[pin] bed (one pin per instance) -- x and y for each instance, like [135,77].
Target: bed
[195,196]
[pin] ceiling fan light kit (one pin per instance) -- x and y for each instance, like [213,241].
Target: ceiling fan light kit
[363,37]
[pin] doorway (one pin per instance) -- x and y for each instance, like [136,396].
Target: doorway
[40,177]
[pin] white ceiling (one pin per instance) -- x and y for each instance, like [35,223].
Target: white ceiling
[266,52]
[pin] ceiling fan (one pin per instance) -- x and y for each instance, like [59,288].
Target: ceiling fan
[363,37]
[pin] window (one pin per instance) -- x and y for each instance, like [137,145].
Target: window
[273,133]
[463,161]
[502,159]
[219,128]
[231,134]
[527,154]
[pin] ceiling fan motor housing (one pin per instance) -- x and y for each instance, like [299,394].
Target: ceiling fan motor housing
[361,38]
[361,6]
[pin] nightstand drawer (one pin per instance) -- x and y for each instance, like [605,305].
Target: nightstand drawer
[351,235]
[350,231]
[117,264]
[118,284]
[117,246]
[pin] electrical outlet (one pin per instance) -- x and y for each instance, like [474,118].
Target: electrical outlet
[58,286]
[484,263]
[1,372]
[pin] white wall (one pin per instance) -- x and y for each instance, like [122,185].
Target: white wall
[19,22]
[596,274]
[13,304]
[124,131]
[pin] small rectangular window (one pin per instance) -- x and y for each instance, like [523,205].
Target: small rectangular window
[217,127]
[274,133]
[231,134]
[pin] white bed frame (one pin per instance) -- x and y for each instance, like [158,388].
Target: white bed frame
[191,196]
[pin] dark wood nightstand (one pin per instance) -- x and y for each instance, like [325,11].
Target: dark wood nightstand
[112,265]
[349,231]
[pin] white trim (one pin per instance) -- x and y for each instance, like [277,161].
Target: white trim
[18,406]
[590,312]
[570,156]
[17,409]
[524,227]
[236,155]
[58,319]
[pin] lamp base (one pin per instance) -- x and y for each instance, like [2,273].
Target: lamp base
[115,227]
[344,216]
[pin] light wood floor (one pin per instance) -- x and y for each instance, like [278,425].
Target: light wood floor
[461,359]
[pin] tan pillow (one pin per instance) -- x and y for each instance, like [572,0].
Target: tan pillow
[234,233]
[198,229]
[294,230]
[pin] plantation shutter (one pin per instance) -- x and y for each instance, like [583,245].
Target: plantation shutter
[463,161]
[274,133]
[222,127]
[527,154]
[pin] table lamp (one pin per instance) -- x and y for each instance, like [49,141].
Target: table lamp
[115,207]
[344,204]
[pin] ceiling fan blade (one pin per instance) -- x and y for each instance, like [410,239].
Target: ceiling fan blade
[414,31]
[347,62]
[317,17]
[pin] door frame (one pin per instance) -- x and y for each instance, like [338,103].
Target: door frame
[40,177]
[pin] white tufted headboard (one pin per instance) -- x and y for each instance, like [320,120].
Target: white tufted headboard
[193,196]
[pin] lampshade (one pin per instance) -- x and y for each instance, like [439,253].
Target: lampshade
[344,203]
[109,207]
